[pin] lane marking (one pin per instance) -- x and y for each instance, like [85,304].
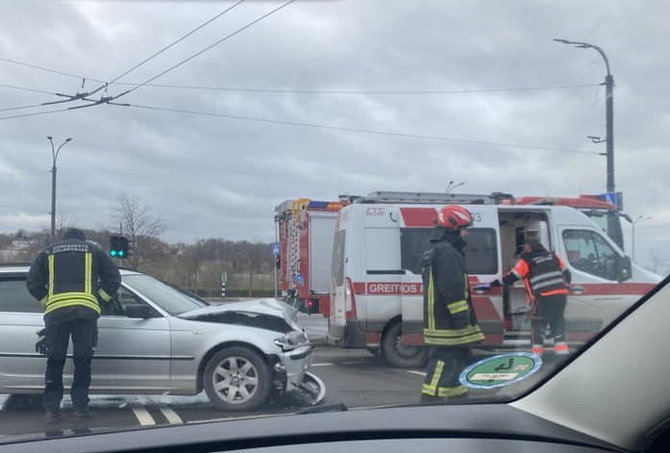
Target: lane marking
[420,373]
[143,416]
[323,364]
[171,416]
[353,362]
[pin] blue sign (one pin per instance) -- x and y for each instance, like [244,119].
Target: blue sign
[616,198]
[275,249]
[300,279]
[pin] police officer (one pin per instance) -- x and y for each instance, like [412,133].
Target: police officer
[450,325]
[546,279]
[71,278]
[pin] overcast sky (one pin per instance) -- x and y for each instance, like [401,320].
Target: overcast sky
[325,63]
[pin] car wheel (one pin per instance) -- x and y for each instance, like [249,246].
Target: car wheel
[237,378]
[399,355]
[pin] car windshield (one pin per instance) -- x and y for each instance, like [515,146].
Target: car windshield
[455,197]
[171,300]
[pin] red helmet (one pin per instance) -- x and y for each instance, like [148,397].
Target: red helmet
[454,217]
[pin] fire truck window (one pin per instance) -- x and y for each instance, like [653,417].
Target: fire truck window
[588,252]
[338,257]
[481,253]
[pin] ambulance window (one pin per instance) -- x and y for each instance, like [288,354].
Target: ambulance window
[413,243]
[588,252]
[481,253]
[338,257]
[381,251]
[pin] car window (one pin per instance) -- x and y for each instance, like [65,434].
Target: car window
[588,251]
[169,299]
[14,297]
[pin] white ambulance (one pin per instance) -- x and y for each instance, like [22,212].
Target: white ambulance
[376,288]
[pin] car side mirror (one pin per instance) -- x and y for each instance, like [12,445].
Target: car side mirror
[138,311]
[624,269]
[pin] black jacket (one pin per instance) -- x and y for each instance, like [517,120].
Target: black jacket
[449,318]
[73,275]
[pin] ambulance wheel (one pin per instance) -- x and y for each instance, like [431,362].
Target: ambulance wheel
[398,355]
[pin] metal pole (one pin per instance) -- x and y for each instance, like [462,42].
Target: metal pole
[633,241]
[54,157]
[609,112]
[53,202]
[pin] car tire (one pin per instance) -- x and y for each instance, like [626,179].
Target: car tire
[237,378]
[398,355]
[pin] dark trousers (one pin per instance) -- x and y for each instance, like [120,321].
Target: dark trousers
[84,337]
[444,367]
[548,310]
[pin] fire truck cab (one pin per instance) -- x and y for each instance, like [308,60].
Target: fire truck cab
[376,294]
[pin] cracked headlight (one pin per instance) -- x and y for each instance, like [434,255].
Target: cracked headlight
[291,340]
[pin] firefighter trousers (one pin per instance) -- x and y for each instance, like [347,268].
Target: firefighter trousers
[444,367]
[548,310]
[84,334]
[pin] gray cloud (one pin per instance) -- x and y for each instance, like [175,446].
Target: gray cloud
[209,176]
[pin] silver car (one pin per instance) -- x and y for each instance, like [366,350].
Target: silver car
[157,339]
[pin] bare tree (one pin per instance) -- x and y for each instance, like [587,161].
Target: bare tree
[139,225]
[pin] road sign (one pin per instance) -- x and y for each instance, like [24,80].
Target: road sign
[616,198]
[275,249]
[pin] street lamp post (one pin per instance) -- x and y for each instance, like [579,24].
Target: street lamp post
[452,186]
[609,108]
[54,157]
[635,221]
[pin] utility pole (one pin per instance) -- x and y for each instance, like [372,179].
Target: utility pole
[54,157]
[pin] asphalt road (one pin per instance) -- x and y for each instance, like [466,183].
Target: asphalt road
[354,378]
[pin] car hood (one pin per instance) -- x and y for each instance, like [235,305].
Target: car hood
[263,307]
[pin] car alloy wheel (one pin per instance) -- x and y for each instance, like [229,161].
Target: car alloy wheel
[237,378]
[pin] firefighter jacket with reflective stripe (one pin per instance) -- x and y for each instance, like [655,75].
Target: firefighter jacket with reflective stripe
[449,318]
[73,273]
[543,273]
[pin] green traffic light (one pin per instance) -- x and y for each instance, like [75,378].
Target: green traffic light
[121,253]
[112,252]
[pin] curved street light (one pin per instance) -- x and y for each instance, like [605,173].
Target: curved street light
[609,108]
[635,221]
[54,157]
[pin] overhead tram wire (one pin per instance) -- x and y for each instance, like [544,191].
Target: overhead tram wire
[25,115]
[372,92]
[82,96]
[199,27]
[53,71]
[357,130]
[186,60]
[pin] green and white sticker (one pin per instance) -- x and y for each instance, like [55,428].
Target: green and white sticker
[500,370]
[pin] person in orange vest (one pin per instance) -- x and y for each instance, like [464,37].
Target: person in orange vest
[547,279]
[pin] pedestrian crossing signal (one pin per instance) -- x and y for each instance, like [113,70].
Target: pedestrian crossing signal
[119,247]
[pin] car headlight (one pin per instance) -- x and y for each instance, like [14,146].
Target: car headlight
[291,340]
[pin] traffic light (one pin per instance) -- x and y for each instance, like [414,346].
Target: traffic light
[119,247]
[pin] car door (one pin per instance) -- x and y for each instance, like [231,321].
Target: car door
[20,319]
[132,353]
[596,297]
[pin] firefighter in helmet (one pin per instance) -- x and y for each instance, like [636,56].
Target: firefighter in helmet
[450,325]
[546,279]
